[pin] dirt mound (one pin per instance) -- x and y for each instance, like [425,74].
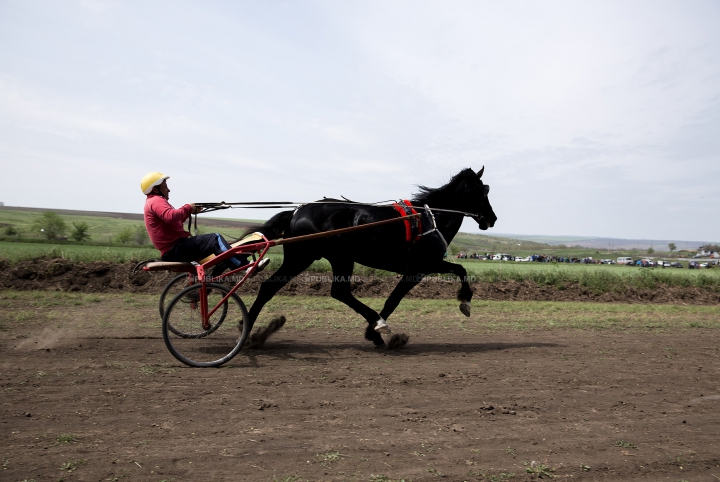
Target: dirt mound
[63,275]
[99,277]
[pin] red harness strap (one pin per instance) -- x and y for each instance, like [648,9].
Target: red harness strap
[410,224]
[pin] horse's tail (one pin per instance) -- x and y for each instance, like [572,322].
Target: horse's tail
[274,228]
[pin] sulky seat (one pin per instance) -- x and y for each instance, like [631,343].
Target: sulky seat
[179,267]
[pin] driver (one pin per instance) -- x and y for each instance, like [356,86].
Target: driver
[164,225]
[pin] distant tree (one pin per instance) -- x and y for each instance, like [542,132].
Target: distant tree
[672,247]
[10,231]
[2,203]
[125,235]
[141,235]
[80,233]
[50,225]
[650,250]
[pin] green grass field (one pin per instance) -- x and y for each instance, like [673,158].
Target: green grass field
[596,277]
[480,266]
[15,252]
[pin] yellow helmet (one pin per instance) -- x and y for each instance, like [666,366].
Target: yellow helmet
[150,180]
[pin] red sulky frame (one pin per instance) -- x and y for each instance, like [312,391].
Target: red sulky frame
[262,247]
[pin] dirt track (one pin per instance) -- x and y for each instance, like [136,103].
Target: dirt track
[101,399]
[104,277]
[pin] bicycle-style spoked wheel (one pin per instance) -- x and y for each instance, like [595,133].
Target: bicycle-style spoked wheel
[171,290]
[175,286]
[187,340]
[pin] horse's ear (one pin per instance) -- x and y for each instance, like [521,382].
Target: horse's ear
[480,172]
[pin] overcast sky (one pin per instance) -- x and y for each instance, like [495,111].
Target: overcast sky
[591,118]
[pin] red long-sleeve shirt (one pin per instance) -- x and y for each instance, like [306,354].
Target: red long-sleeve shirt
[164,223]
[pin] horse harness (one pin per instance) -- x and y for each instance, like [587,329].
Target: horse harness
[414,227]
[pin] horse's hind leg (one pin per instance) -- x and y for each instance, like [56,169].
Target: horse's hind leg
[340,290]
[407,283]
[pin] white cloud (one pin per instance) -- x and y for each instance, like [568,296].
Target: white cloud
[582,112]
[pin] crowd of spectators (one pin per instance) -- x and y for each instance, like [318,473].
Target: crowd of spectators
[540,258]
[547,258]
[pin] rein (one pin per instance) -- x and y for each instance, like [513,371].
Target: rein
[209,207]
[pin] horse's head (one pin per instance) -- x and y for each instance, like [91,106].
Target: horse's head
[480,206]
[465,192]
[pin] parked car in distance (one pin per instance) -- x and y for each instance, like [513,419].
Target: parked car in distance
[625,260]
[502,257]
[676,265]
[520,259]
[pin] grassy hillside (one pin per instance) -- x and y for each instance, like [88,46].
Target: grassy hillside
[104,231]
[479,243]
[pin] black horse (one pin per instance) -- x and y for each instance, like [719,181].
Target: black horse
[382,247]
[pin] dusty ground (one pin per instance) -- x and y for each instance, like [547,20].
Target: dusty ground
[104,277]
[89,392]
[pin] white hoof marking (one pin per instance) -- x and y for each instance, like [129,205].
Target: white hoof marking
[382,327]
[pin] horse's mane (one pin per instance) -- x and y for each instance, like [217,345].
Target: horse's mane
[425,194]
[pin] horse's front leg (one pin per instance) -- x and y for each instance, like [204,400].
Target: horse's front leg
[465,293]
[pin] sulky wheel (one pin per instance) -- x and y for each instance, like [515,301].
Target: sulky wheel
[172,289]
[191,344]
[175,286]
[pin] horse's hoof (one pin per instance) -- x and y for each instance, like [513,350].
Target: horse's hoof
[382,327]
[398,340]
[258,339]
[465,308]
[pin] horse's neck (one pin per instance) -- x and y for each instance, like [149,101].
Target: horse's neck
[448,224]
